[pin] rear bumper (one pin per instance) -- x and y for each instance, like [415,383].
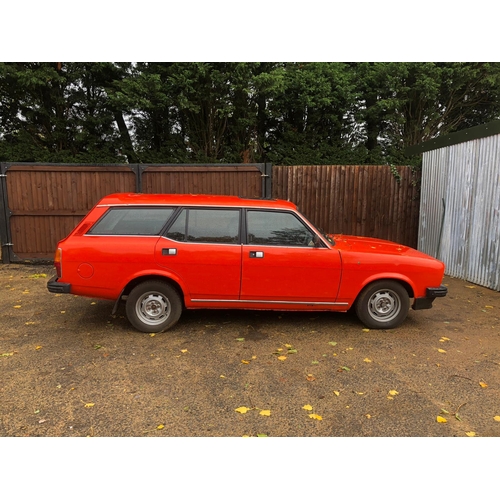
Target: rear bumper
[55,286]
[431,294]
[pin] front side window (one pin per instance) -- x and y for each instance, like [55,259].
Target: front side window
[132,221]
[206,226]
[277,228]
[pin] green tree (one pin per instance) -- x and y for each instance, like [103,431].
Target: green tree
[402,104]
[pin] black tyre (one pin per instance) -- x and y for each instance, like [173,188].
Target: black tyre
[383,304]
[153,307]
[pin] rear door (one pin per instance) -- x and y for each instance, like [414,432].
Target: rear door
[203,248]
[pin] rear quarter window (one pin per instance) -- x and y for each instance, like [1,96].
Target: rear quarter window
[132,221]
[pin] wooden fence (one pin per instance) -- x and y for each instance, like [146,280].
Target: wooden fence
[41,204]
[368,200]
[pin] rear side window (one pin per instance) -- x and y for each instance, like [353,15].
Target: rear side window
[132,221]
[206,226]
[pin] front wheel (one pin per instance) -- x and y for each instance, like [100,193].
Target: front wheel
[153,307]
[383,304]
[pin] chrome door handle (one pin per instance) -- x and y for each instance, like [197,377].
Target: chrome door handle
[169,251]
[256,255]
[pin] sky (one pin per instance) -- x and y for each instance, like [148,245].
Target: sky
[262,30]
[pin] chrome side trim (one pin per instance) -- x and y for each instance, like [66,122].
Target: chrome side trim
[273,302]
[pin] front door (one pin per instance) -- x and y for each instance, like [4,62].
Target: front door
[282,264]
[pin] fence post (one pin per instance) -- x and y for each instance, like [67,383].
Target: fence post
[268,169]
[5,240]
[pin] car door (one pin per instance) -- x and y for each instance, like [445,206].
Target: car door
[282,263]
[202,247]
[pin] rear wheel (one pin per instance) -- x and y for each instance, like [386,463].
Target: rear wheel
[383,304]
[153,306]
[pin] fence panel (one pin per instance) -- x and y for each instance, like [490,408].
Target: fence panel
[45,202]
[377,201]
[240,180]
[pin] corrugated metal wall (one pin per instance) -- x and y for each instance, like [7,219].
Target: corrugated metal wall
[359,200]
[460,209]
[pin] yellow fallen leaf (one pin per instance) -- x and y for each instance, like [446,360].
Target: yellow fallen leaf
[29,323]
[160,427]
[152,334]
[17,307]
[184,350]
[245,362]
[365,330]
[282,358]
[222,376]
[288,346]
[337,393]
[496,418]
[89,405]
[307,407]
[442,351]
[279,350]
[470,286]
[487,307]
[265,413]
[316,417]
[443,339]
[93,303]
[393,393]
[310,377]
[360,393]
[6,354]
[366,360]
[483,385]
[441,420]
[470,434]
[242,409]
[368,415]
[63,312]
[38,347]
[390,397]
[254,357]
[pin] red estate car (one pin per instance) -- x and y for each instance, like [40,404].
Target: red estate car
[162,253]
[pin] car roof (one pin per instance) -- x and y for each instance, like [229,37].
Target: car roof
[118,199]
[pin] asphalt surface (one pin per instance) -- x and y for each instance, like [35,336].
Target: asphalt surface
[68,368]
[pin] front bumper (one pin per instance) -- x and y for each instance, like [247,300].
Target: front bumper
[431,294]
[55,286]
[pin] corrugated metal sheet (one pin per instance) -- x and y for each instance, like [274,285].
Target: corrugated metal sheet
[460,209]
[359,200]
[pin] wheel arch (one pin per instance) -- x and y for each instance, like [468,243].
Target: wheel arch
[154,277]
[397,279]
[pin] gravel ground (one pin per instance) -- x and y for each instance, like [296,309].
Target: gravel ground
[67,368]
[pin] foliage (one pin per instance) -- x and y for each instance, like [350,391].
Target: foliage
[285,113]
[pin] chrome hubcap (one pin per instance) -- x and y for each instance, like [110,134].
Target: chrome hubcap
[384,305]
[153,308]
